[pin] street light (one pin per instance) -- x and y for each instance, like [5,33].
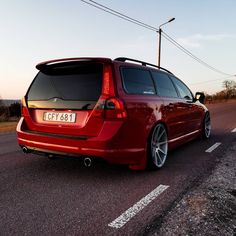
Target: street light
[159,45]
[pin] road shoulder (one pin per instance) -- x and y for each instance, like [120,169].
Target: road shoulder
[210,208]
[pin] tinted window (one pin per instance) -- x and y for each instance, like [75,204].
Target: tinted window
[77,82]
[164,85]
[137,81]
[183,90]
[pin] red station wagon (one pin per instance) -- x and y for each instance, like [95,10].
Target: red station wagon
[123,111]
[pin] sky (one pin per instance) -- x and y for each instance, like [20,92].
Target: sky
[34,31]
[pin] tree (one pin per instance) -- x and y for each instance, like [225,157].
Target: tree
[4,111]
[1,102]
[15,109]
[230,88]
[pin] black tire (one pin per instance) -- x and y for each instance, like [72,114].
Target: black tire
[206,126]
[158,147]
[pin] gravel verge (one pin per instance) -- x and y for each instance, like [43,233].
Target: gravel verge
[208,209]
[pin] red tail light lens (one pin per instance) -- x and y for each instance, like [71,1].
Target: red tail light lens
[23,105]
[115,109]
[108,105]
[23,102]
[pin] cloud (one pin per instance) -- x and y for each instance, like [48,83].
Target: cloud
[196,40]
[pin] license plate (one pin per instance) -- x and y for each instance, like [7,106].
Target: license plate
[59,117]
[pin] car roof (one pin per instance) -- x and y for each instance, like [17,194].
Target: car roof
[120,60]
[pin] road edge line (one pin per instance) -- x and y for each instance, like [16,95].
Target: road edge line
[137,207]
[213,147]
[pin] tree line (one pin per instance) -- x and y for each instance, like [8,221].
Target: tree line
[10,112]
[228,92]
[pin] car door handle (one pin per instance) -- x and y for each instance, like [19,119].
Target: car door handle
[171,105]
[189,103]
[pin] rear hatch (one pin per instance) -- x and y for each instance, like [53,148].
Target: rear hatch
[67,97]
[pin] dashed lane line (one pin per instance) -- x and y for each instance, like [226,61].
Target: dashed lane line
[137,207]
[213,147]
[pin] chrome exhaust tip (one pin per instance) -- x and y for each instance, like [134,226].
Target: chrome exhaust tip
[51,157]
[25,150]
[87,162]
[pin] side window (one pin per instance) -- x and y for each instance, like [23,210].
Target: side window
[137,81]
[182,89]
[164,85]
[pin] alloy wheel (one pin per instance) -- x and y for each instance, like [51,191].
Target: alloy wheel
[207,125]
[159,146]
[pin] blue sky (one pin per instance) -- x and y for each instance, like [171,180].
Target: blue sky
[34,31]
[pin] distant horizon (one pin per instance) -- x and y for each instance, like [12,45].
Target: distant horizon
[10,99]
[19,99]
[8,102]
[1,98]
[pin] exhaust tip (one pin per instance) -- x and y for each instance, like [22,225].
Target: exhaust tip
[51,157]
[87,162]
[25,150]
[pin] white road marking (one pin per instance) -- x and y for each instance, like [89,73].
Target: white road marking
[213,147]
[132,211]
[234,130]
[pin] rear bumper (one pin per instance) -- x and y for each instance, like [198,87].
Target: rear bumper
[104,145]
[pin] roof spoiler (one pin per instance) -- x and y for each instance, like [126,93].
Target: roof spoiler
[50,63]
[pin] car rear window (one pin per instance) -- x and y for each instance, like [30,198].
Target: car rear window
[164,85]
[68,81]
[137,81]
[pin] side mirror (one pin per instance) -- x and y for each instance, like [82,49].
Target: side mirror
[200,97]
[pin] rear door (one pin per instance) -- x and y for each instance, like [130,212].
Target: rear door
[64,99]
[172,113]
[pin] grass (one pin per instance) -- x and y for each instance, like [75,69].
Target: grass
[8,126]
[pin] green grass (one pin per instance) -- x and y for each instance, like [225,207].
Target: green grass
[7,126]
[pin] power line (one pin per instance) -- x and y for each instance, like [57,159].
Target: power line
[208,81]
[149,27]
[120,15]
[127,17]
[174,42]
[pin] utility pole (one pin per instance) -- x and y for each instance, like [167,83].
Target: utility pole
[159,41]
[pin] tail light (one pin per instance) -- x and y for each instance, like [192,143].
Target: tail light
[115,109]
[108,105]
[23,105]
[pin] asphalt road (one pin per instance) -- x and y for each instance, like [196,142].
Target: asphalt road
[62,197]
